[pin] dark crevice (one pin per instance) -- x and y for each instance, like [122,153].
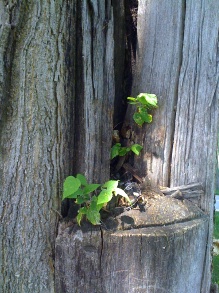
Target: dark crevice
[70,63]
[79,138]
[74,89]
[177,88]
[91,14]
[125,36]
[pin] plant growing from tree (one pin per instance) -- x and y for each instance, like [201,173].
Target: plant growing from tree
[93,197]
[144,103]
[119,150]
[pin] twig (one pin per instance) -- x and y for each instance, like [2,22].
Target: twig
[184,191]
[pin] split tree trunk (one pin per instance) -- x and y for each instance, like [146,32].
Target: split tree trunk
[57,95]
[176,62]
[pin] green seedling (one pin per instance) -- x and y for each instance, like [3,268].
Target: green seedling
[118,150]
[90,204]
[144,102]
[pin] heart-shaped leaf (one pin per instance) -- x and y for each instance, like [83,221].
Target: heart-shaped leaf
[138,118]
[71,185]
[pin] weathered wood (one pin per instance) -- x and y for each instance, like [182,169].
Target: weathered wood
[177,61]
[141,260]
[158,61]
[184,191]
[196,123]
[95,90]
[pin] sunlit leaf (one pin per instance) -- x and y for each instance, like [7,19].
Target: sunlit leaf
[111,184]
[150,100]
[71,185]
[104,196]
[136,148]
[131,100]
[121,192]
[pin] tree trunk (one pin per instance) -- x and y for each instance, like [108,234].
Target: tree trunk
[59,68]
[57,94]
[136,251]
[35,126]
[178,61]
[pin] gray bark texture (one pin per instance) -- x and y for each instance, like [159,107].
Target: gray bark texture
[177,59]
[140,260]
[35,128]
[59,68]
[56,94]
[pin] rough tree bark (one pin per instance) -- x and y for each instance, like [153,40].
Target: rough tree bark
[177,59]
[56,94]
[36,104]
[164,30]
[95,89]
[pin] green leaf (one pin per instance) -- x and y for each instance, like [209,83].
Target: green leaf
[111,185]
[93,216]
[132,100]
[147,118]
[121,192]
[115,150]
[82,178]
[123,151]
[79,218]
[104,196]
[138,118]
[76,193]
[150,100]
[83,198]
[144,114]
[81,213]
[71,185]
[90,188]
[94,204]
[136,148]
